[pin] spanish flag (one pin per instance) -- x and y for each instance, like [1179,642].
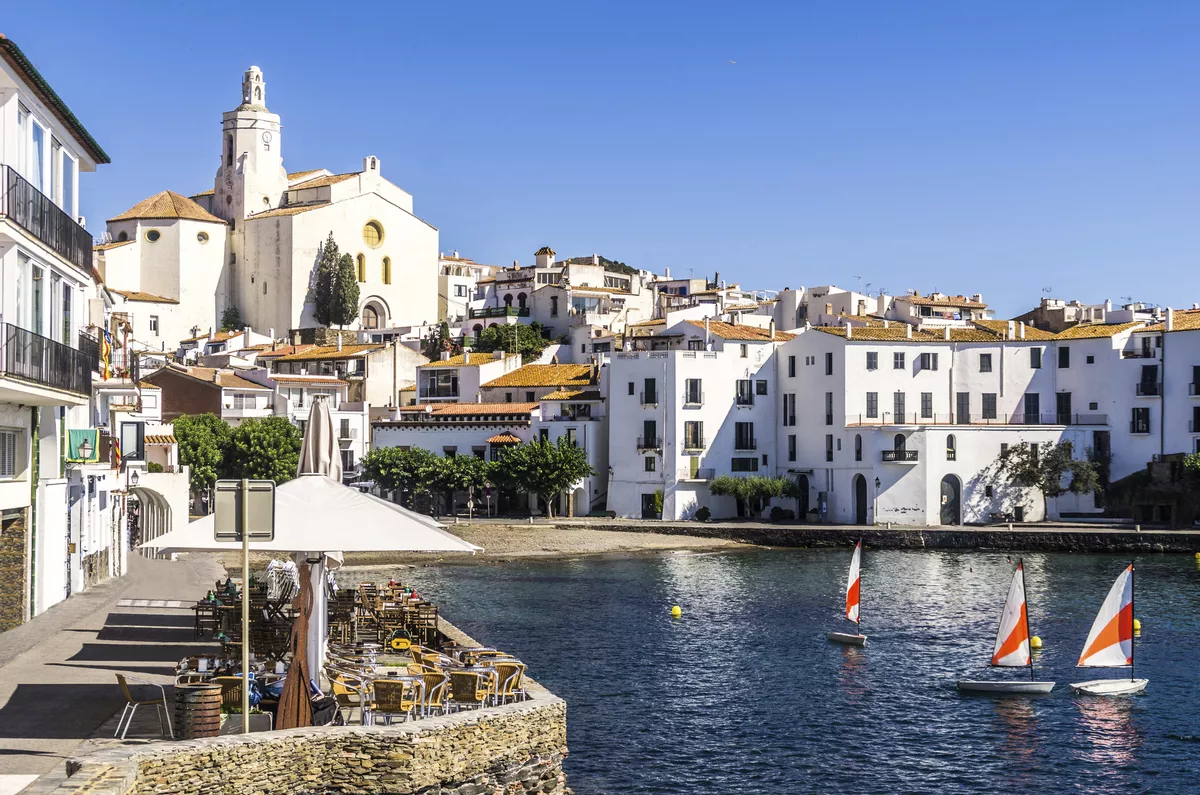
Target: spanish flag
[106,346]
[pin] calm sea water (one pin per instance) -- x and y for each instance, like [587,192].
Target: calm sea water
[744,694]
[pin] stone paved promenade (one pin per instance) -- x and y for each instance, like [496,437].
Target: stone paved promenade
[57,672]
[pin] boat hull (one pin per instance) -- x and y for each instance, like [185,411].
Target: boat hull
[1109,687]
[847,638]
[1002,687]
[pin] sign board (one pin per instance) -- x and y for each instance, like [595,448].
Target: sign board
[251,502]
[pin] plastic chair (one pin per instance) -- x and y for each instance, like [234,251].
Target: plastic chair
[131,705]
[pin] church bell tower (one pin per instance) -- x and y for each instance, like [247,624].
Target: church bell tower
[251,178]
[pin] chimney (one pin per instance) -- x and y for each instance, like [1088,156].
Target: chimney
[771,329]
[849,330]
[1011,331]
[455,253]
[339,343]
[667,274]
[516,265]
[210,334]
[1021,331]
[496,355]
[247,331]
[886,323]
[707,334]
[907,331]
[1170,319]
[271,333]
[444,356]
[946,333]
[478,397]
[977,298]
[595,259]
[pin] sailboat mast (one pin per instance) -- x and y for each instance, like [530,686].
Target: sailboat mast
[1028,634]
[1132,618]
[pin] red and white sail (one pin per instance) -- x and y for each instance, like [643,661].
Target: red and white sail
[1110,643]
[853,580]
[1012,640]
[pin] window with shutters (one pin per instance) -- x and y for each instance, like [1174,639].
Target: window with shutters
[8,454]
[989,405]
[872,405]
[872,360]
[985,362]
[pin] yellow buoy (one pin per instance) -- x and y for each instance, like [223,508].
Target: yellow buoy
[1137,625]
[1198,556]
[1035,642]
[676,611]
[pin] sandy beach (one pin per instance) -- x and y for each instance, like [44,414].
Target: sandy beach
[504,542]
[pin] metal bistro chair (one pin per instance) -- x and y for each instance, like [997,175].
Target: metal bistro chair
[437,691]
[131,705]
[469,688]
[510,678]
[394,697]
[349,690]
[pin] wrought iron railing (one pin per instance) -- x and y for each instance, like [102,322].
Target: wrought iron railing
[898,455]
[34,212]
[42,361]
[649,443]
[500,311]
[1149,389]
[974,419]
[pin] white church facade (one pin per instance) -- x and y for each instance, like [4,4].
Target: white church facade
[252,242]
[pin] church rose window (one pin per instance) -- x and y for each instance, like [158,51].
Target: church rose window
[153,235]
[373,234]
[202,237]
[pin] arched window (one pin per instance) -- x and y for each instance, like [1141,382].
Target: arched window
[229,150]
[122,236]
[899,443]
[258,93]
[508,299]
[521,300]
[370,317]
[387,270]
[951,450]
[858,447]
[362,268]
[478,328]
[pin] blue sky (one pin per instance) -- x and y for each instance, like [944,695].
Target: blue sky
[1000,148]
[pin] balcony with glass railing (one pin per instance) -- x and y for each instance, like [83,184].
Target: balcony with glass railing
[28,208]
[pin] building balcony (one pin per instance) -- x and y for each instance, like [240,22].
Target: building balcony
[1149,389]
[230,412]
[1193,391]
[648,398]
[649,443]
[1139,427]
[1139,354]
[37,371]
[861,420]
[34,212]
[500,311]
[703,473]
[693,445]
[745,445]
[898,456]
[693,400]
[1193,426]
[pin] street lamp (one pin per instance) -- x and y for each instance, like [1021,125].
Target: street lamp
[85,450]
[133,477]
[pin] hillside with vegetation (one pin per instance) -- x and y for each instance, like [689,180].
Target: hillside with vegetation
[609,265]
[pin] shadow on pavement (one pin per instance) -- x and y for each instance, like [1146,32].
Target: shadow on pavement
[148,620]
[61,711]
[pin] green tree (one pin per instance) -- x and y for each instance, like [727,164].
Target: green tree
[231,319]
[410,472]
[344,304]
[755,491]
[439,341]
[264,449]
[526,340]
[324,281]
[203,444]
[1052,469]
[543,468]
[461,473]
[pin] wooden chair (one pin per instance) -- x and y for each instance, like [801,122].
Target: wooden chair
[469,688]
[437,692]
[131,705]
[394,697]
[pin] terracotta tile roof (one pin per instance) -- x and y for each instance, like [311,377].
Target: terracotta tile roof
[611,290]
[208,192]
[160,439]
[980,331]
[167,205]
[220,336]
[574,394]
[730,331]
[658,321]
[544,250]
[113,244]
[292,210]
[488,280]
[24,68]
[1000,328]
[945,300]
[331,352]
[1096,331]
[302,175]
[283,350]
[323,181]
[740,307]
[546,375]
[894,333]
[467,360]
[134,295]
[464,409]
[309,379]
[503,438]
[1182,320]
[226,379]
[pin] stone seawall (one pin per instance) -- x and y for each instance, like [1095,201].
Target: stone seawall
[1050,538]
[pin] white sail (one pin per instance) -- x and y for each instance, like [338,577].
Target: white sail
[1012,639]
[852,584]
[1110,643]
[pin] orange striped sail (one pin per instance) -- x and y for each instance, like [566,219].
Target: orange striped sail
[1012,639]
[853,581]
[1110,643]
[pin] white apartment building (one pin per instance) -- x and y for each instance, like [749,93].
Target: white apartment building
[679,417]
[458,279]
[455,379]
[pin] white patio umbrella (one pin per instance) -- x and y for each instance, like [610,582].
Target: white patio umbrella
[317,518]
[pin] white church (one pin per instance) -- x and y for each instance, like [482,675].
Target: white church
[175,264]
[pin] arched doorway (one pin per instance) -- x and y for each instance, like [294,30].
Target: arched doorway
[951,501]
[521,298]
[508,299]
[860,499]
[802,506]
[370,317]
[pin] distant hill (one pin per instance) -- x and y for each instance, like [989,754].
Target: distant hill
[609,265]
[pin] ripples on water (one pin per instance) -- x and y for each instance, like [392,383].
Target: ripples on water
[744,694]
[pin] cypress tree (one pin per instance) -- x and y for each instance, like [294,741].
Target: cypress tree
[344,303]
[323,287]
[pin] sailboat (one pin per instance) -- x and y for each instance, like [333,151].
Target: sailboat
[853,587]
[1012,646]
[1110,643]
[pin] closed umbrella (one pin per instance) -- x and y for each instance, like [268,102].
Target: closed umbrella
[295,709]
